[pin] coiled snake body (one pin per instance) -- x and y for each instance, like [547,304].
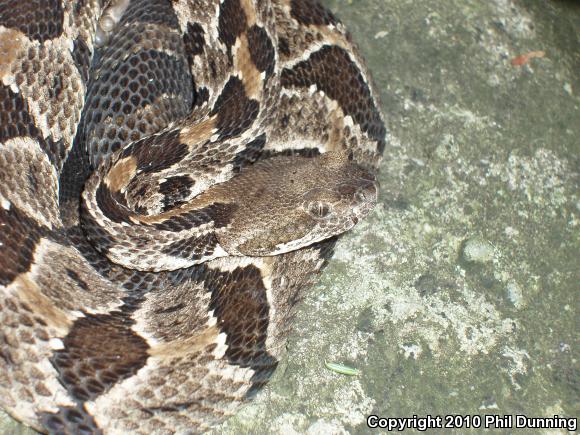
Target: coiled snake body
[172,177]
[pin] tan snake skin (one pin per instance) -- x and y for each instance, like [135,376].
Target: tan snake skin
[173,176]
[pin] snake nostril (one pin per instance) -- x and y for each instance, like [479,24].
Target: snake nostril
[367,192]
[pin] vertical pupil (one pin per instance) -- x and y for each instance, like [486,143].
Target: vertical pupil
[319,209]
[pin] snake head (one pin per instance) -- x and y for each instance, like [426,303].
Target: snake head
[301,201]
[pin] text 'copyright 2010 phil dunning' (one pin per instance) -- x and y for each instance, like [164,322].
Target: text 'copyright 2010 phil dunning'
[458,421]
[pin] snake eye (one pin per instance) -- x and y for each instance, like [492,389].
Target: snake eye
[318,209]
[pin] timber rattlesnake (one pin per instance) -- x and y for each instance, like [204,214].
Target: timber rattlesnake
[222,146]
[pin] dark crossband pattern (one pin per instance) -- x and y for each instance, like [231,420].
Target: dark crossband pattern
[261,49]
[235,111]
[175,190]
[86,368]
[16,120]
[39,20]
[307,12]
[232,22]
[17,247]
[160,201]
[332,71]
[151,157]
[239,301]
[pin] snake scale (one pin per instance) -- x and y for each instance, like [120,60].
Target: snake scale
[173,176]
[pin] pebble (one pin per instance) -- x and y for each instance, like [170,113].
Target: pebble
[477,250]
